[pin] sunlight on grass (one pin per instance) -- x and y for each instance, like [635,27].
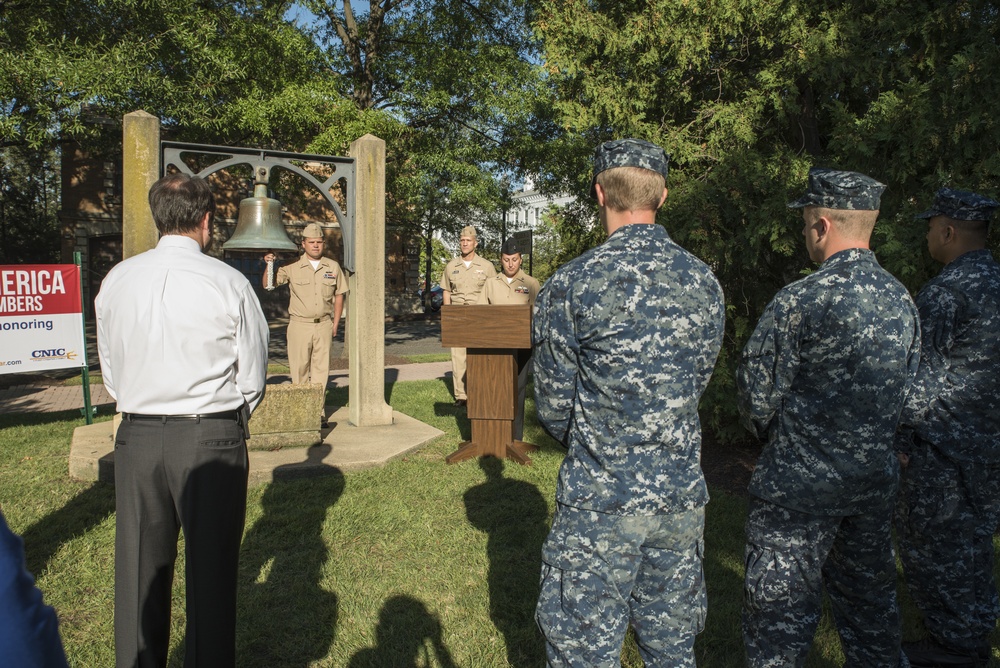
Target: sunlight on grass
[425,358]
[77,380]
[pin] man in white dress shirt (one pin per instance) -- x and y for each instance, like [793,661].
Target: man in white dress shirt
[183,348]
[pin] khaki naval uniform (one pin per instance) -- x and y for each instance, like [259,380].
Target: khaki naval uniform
[466,287]
[522,289]
[310,308]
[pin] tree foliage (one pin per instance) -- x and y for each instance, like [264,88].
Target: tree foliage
[29,199]
[457,77]
[748,94]
[212,70]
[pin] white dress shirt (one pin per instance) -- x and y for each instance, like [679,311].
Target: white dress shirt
[180,333]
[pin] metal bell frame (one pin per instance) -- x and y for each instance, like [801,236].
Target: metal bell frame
[262,162]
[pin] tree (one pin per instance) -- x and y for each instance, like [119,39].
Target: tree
[212,70]
[747,95]
[457,76]
[29,199]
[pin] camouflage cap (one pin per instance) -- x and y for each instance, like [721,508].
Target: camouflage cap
[510,247]
[961,205]
[313,231]
[629,153]
[468,231]
[835,189]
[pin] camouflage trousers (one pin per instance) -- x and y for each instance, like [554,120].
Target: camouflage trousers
[945,519]
[791,557]
[600,572]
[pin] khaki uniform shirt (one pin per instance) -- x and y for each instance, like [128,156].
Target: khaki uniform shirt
[312,291]
[521,290]
[466,283]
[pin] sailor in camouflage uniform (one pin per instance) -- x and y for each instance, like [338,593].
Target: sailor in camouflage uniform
[626,337]
[949,503]
[823,379]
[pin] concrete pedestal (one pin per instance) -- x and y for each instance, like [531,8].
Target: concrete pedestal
[343,447]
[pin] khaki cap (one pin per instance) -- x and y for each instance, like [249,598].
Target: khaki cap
[313,231]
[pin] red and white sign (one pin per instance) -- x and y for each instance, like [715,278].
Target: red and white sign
[41,318]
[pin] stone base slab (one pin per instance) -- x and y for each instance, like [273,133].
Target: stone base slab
[288,416]
[344,447]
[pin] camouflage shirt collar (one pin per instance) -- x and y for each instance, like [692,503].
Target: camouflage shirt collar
[640,231]
[972,257]
[849,255]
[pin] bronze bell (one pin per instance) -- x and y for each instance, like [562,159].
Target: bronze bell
[259,227]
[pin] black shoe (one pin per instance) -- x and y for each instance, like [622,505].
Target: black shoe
[928,653]
[459,402]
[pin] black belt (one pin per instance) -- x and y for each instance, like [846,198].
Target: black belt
[224,415]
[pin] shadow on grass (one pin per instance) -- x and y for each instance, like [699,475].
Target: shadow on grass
[391,378]
[448,409]
[407,636]
[514,516]
[721,643]
[286,617]
[336,396]
[78,516]
[38,419]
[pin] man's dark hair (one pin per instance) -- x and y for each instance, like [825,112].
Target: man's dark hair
[179,203]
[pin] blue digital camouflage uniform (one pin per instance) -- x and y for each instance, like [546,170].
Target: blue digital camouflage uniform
[949,503]
[823,379]
[626,337]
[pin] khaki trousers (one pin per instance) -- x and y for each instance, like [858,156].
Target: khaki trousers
[458,372]
[309,351]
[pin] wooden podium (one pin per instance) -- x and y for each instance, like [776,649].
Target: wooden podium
[493,334]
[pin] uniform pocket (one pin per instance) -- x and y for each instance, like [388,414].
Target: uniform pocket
[120,435]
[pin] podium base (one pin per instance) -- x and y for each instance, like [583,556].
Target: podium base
[515,450]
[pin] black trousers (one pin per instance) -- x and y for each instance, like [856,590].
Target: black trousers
[171,476]
[523,366]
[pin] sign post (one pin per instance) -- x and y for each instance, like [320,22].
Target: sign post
[524,245]
[41,320]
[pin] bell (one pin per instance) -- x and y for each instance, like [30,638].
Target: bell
[258,227]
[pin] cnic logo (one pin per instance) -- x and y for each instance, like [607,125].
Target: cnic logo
[52,354]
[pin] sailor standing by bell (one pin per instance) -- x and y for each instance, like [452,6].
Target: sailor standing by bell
[316,286]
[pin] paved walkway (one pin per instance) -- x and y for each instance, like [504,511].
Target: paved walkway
[46,398]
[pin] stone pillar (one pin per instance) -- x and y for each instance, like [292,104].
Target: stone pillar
[366,323]
[140,170]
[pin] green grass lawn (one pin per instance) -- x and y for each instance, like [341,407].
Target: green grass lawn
[428,357]
[414,564]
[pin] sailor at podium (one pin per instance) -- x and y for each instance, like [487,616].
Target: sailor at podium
[513,286]
[463,281]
